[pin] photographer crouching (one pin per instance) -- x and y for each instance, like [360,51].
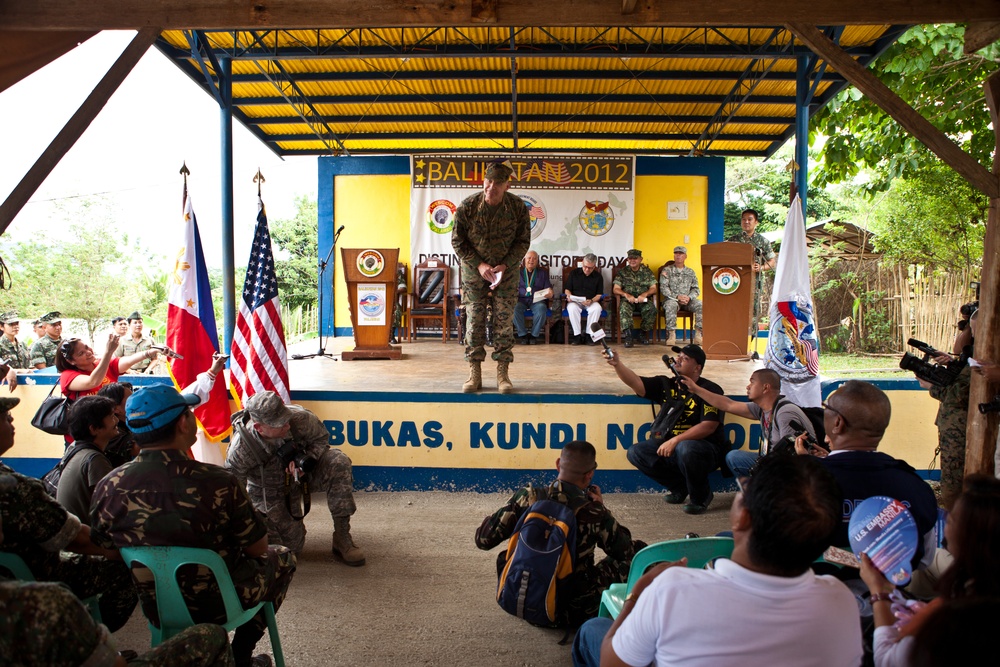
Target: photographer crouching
[282,453]
[947,379]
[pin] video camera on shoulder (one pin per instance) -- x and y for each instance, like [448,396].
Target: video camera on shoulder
[940,375]
[287,453]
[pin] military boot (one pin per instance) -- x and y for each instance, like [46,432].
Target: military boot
[697,337]
[344,548]
[628,338]
[475,381]
[504,385]
[671,339]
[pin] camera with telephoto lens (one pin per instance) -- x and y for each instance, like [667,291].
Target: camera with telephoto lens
[992,406]
[940,375]
[287,453]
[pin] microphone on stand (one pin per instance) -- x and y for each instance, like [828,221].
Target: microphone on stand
[339,230]
[597,334]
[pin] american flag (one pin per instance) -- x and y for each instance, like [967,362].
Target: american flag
[260,360]
[556,173]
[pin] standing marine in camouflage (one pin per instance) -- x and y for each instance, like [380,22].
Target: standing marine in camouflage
[274,445]
[42,533]
[163,498]
[44,625]
[764,257]
[679,290]
[12,351]
[492,233]
[595,527]
[636,285]
[43,352]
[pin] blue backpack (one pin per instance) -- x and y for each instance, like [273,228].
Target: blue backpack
[541,556]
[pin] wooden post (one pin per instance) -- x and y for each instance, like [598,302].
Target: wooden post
[981,432]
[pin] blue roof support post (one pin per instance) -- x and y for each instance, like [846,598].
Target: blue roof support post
[228,253]
[802,98]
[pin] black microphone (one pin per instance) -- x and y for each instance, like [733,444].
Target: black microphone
[340,230]
[597,334]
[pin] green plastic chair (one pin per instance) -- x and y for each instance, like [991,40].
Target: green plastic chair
[20,570]
[699,551]
[164,562]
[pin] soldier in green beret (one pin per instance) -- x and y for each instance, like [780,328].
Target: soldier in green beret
[491,235]
[43,352]
[636,285]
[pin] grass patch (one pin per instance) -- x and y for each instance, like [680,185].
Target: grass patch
[881,366]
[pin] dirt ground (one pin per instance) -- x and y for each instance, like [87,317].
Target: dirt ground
[426,595]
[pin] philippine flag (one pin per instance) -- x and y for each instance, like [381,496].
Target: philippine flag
[191,328]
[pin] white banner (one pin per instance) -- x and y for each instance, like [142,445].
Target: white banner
[577,204]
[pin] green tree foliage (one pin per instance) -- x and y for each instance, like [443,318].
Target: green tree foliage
[296,255]
[927,68]
[86,273]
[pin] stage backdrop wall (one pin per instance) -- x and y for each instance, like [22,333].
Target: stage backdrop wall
[677,201]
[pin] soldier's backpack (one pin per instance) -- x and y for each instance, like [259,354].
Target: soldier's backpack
[541,556]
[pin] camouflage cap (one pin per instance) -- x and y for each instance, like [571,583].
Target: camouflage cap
[267,408]
[499,172]
[9,317]
[7,403]
[681,248]
[50,318]
[634,252]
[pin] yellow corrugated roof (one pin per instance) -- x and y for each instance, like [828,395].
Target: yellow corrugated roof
[646,90]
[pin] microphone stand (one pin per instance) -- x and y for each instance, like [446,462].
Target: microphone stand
[331,261]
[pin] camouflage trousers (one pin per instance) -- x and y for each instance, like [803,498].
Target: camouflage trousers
[951,446]
[88,576]
[475,302]
[646,310]
[670,308]
[203,645]
[256,580]
[332,474]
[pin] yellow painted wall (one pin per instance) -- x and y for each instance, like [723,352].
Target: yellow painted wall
[375,212]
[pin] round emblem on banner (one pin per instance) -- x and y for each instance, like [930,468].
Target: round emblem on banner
[441,216]
[370,263]
[371,305]
[536,211]
[597,217]
[726,280]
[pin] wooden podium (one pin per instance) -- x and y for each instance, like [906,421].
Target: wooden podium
[370,275]
[727,288]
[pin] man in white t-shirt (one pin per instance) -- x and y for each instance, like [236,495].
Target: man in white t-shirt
[764,606]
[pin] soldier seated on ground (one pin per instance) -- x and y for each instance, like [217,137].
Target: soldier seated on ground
[595,527]
[142,504]
[636,285]
[679,291]
[271,439]
[42,532]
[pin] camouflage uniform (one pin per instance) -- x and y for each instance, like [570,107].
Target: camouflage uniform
[595,527]
[252,458]
[128,346]
[36,528]
[675,282]
[952,418]
[766,254]
[15,352]
[635,283]
[495,235]
[43,625]
[163,498]
[44,351]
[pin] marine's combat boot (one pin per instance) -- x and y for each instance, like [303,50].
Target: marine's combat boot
[697,337]
[628,338]
[343,546]
[475,381]
[504,385]
[671,339]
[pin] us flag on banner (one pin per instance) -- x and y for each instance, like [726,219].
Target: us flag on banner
[260,360]
[793,344]
[191,327]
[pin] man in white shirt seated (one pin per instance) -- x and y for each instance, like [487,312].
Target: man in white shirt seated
[764,606]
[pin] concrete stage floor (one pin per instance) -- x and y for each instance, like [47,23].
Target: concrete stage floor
[430,366]
[427,596]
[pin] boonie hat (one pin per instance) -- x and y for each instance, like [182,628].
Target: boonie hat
[267,408]
[693,351]
[51,318]
[9,317]
[681,248]
[154,407]
[633,253]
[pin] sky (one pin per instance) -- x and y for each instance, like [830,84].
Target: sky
[131,154]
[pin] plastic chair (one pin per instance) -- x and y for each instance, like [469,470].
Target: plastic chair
[699,551]
[164,562]
[19,569]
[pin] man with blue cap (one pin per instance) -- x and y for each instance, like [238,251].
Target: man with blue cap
[141,504]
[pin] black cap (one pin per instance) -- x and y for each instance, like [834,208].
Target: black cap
[693,351]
